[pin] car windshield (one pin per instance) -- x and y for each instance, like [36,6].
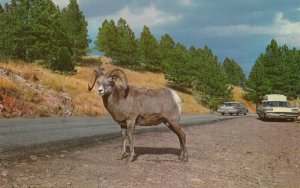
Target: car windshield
[277,104]
[230,104]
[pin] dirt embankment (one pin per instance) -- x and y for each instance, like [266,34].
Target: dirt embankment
[243,152]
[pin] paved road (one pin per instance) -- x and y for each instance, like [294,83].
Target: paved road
[23,136]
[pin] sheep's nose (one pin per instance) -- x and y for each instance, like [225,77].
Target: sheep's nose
[100,90]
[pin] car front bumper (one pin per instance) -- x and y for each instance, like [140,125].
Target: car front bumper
[272,115]
[228,111]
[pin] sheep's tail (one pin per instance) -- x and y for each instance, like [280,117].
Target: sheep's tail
[177,100]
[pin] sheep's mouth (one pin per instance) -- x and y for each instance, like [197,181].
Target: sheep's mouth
[101,93]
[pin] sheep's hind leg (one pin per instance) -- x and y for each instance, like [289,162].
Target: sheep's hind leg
[124,154]
[176,128]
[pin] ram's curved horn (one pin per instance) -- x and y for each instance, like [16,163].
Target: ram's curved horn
[120,79]
[97,72]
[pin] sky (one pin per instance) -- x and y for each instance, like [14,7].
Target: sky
[237,29]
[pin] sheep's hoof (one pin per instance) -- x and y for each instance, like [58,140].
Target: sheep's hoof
[132,157]
[183,157]
[123,155]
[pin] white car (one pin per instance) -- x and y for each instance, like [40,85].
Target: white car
[233,108]
[275,106]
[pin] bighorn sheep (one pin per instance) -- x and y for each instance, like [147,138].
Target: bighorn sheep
[130,106]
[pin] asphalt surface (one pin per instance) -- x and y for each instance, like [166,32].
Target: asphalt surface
[21,136]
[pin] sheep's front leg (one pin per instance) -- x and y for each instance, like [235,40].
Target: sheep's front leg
[130,129]
[123,147]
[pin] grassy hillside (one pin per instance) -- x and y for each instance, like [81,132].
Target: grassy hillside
[29,90]
[238,95]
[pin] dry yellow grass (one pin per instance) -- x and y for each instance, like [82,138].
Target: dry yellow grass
[7,85]
[191,106]
[295,103]
[238,95]
[24,69]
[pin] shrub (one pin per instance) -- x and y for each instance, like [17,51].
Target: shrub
[62,60]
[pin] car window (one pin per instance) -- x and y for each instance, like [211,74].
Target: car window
[233,104]
[284,104]
[277,104]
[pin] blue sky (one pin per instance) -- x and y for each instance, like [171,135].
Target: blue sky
[238,29]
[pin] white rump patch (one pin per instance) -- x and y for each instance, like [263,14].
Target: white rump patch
[177,100]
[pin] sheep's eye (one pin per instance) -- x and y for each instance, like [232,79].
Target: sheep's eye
[110,79]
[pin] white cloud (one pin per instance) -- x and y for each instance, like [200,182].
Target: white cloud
[282,29]
[61,3]
[186,2]
[137,18]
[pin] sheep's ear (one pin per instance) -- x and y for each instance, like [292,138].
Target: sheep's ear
[119,77]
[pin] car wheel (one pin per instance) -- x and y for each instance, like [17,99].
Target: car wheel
[264,117]
[245,113]
[223,114]
[237,114]
[230,114]
[259,117]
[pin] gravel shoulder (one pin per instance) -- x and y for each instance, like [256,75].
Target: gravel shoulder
[241,152]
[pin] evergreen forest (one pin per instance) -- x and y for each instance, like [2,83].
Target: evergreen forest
[38,30]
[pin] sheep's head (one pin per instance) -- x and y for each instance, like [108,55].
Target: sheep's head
[107,82]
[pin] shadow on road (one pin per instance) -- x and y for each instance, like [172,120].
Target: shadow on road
[155,151]
[276,120]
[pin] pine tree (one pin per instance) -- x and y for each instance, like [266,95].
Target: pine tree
[41,26]
[101,42]
[126,44]
[107,39]
[148,51]
[257,85]
[166,46]
[177,67]
[9,28]
[75,27]
[292,80]
[234,72]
